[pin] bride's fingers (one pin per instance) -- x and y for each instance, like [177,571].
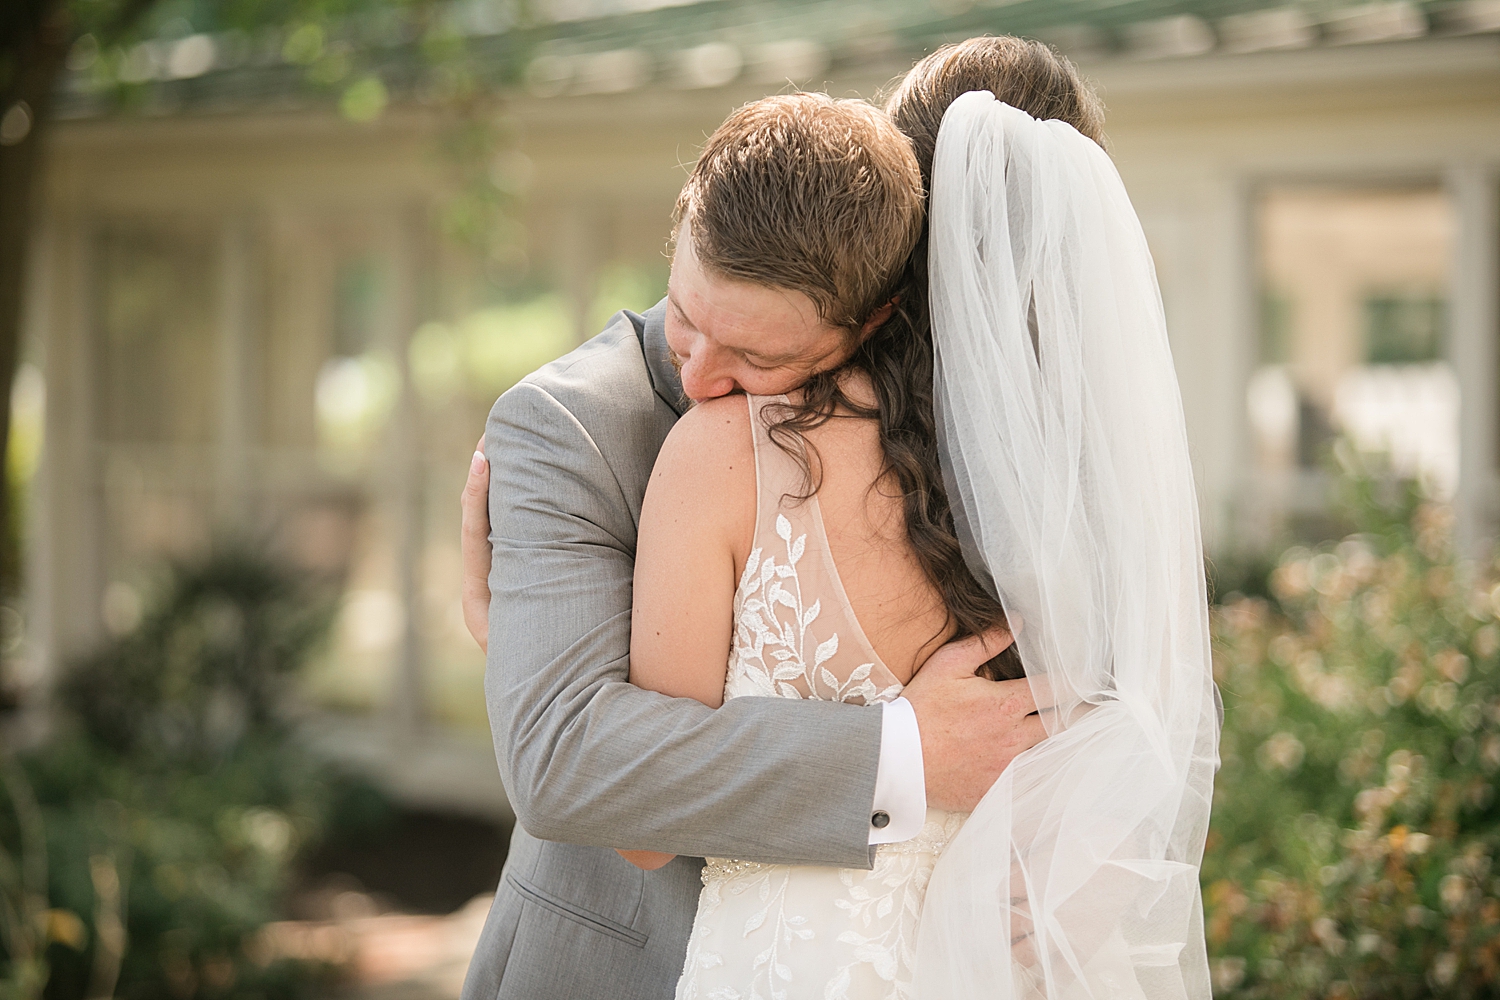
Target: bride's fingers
[475,545]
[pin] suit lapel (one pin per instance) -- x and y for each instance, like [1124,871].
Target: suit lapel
[651,328]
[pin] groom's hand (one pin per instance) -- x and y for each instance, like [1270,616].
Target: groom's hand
[971,727]
[475,545]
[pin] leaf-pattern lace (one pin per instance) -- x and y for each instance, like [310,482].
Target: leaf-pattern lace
[773,630]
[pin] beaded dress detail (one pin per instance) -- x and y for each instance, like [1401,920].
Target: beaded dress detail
[781,932]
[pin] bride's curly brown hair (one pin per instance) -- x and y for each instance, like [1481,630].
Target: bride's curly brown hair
[897,358]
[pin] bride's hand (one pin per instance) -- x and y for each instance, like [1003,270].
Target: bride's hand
[475,545]
[646,860]
[971,728]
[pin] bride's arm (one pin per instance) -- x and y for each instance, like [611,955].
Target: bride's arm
[697,521]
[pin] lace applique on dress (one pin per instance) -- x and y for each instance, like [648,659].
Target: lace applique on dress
[778,932]
[774,654]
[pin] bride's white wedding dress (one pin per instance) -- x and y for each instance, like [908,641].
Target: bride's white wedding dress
[779,931]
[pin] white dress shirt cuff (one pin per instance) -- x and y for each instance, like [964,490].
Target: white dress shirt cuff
[900,806]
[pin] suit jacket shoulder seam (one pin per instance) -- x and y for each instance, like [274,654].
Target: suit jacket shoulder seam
[587,436]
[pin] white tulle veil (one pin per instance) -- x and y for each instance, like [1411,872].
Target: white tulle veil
[1067,463]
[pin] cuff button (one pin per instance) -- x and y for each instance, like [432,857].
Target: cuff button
[880,820]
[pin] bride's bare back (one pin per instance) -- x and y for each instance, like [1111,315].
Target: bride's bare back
[697,529]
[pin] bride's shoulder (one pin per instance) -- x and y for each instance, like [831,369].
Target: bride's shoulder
[718,426]
[707,466]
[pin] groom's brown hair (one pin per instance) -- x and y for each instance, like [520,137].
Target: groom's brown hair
[808,193]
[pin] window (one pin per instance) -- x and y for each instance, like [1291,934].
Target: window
[1404,329]
[156,352]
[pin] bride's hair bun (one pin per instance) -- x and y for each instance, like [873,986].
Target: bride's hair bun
[1021,72]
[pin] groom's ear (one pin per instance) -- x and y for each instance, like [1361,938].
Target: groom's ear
[878,317]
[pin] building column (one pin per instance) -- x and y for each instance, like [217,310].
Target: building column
[69,515]
[1204,242]
[406,252]
[1474,327]
[238,318]
[577,255]
[38,673]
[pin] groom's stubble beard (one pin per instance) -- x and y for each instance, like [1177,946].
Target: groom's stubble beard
[684,402]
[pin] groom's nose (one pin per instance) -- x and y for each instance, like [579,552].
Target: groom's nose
[704,374]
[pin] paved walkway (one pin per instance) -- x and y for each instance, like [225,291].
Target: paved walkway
[390,956]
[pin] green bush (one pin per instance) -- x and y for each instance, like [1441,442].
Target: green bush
[207,666]
[1355,820]
[173,802]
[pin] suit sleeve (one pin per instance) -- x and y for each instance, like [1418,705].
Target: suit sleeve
[587,757]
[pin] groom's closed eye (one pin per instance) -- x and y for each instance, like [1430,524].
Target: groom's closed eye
[767,362]
[764,364]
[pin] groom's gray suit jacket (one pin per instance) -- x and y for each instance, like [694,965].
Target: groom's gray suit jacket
[592,762]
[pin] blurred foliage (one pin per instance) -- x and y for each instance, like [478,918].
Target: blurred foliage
[1355,821]
[146,844]
[341,47]
[491,349]
[627,286]
[1246,574]
[205,668]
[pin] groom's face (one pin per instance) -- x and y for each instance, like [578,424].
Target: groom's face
[733,336]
